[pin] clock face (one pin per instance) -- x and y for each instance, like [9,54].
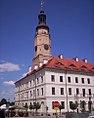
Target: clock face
[46,47]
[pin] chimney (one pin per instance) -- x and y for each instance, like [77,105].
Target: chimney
[45,61]
[35,67]
[85,60]
[40,64]
[30,68]
[76,59]
[60,56]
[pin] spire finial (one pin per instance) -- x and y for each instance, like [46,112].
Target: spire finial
[42,5]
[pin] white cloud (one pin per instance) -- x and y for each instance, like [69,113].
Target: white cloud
[7,67]
[10,83]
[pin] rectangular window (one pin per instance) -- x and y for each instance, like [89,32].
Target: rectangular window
[61,78]
[82,80]
[89,91]
[62,91]
[37,92]
[63,104]
[70,91]
[30,93]
[76,79]
[52,78]
[83,92]
[41,79]
[52,105]
[53,90]
[33,93]
[69,79]
[37,80]
[70,103]
[30,83]
[42,91]
[77,91]
[88,80]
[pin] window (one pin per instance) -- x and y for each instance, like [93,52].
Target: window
[88,80]
[63,104]
[61,78]
[52,105]
[89,91]
[42,91]
[69,79]
[27,85]
[76,79]
[82,80]
[52,78]
[37,92]
[41,79]
[83,92]
[77,91]
[37,80]
[33,93]
[30,93]
[30,83]
[62,91]
[70,103]
[53,90]
[70,91]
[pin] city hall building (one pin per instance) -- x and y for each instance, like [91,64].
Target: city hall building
[54,78]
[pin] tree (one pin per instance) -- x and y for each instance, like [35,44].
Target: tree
[60,108]
[73,106]
[89,105]
[82,105]
[3,101]
[31,106]
[37,106]
[26,106]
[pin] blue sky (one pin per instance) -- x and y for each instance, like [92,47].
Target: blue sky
[71,24]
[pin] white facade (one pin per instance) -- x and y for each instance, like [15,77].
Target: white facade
[28,90]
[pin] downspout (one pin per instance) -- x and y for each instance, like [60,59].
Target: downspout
[66,90]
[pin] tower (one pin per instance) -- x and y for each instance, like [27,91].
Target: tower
[42,41]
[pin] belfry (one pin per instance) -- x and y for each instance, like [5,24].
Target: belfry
[42,46]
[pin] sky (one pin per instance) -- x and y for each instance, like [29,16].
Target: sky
[71,24]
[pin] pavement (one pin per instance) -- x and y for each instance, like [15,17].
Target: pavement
[40,117]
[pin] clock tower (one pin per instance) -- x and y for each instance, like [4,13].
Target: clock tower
[42,41]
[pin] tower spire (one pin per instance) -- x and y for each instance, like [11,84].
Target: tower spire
[41,3]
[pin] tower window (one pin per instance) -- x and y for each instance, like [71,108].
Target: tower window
[35,48]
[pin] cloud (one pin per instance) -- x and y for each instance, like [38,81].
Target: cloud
[9,83]
[7,67]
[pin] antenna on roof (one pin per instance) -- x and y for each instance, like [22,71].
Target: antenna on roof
[41,3]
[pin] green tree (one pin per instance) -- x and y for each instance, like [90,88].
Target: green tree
[82,105]
[3,101]
[73,106]
[37,106]
[60,108]
[26,106]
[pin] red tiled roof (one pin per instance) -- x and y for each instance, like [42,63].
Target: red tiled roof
[68,64]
